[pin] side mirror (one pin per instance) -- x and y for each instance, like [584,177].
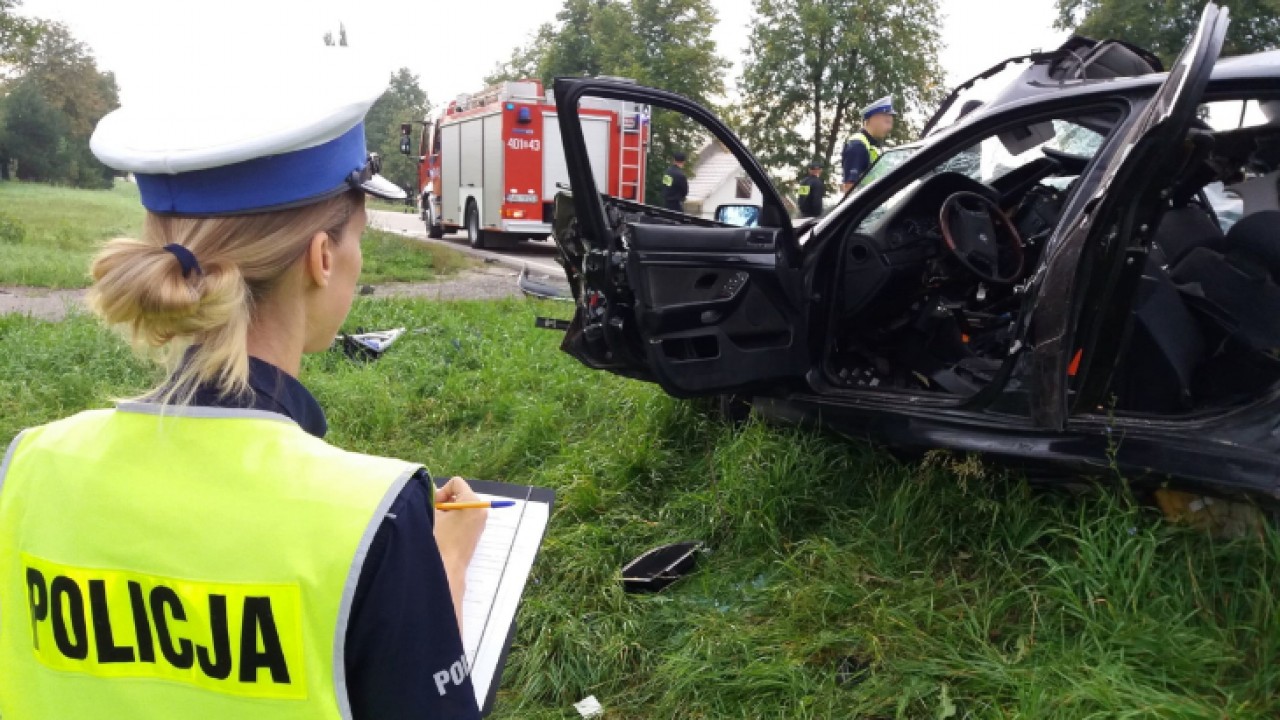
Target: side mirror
[738,215]
[406,141]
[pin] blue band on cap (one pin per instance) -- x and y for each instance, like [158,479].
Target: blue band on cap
[258,184]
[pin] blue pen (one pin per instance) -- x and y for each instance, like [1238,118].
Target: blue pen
[476,505]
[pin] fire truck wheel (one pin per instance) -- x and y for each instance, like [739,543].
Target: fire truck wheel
[475,236]
[435,230]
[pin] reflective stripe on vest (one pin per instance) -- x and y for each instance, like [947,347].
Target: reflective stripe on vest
[873,152]
[190,562]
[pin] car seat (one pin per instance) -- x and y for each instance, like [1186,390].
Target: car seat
[1182,230]
[1164,350]
[1235,284]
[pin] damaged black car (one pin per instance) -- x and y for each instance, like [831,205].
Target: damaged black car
[1084,273]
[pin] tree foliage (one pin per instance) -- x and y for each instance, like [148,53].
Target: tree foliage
[52,109]
[18,35]
[661,43]
[1165,26]
[404,101]
[812,64]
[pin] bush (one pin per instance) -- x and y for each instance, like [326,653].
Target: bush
[12,232]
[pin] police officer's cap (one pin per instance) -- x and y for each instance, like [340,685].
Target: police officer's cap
[679,156]
[236,136]
[882,106]
[815,165]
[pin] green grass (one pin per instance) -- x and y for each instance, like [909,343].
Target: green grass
[389,257]
[391,206]
[48,236]
[839,583]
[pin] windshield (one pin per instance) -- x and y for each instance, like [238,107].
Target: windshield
[888,161]
[995,156]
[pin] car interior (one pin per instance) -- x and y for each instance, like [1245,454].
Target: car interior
[1206,322]
[930,283]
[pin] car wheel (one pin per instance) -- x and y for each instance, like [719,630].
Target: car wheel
[475,236]
[435,230]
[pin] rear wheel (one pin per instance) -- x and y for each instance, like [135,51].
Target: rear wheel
[475,236]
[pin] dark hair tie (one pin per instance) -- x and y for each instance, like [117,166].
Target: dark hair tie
[186,258]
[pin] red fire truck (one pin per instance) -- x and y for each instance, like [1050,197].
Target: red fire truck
[493,162]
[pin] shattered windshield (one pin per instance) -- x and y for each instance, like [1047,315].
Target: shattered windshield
[994,157]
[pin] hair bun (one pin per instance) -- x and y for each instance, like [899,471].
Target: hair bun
[151,290]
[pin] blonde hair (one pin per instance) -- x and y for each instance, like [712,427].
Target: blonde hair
[140,287]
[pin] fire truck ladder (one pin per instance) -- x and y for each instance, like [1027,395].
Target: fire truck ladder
[634,153]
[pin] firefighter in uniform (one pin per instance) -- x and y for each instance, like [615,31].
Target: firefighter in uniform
[675,186]
[809,199]
[202,551]
[863,150]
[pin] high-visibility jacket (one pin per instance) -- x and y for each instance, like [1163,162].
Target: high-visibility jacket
[183,562]
[872,151]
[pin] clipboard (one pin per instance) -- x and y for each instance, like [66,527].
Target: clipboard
[496,634]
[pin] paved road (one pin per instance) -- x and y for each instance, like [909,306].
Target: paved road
[539,256]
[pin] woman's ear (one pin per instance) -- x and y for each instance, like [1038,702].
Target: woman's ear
[319,259]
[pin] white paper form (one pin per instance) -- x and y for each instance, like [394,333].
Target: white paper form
[495,581]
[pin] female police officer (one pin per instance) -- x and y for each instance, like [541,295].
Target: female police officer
[201,552]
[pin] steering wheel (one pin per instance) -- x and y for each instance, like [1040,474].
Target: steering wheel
[968,221]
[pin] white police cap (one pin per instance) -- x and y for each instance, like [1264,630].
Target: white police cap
[236,135]
[883,105]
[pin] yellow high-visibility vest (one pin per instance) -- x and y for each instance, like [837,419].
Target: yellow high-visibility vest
[181,562]
[872,151]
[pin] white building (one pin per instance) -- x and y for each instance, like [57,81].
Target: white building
[718,179]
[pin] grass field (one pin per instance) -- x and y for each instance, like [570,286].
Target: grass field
[389,206]
[838,582]
[48,236]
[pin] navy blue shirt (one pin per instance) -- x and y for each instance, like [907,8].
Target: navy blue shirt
[402,639]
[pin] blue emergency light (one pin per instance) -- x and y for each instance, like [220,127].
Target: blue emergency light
[525,116]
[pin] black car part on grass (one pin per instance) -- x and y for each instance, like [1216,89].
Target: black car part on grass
[659,567]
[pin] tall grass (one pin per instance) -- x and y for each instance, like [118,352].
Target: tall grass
[838,582]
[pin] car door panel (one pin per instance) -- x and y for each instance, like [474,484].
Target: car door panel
[700,309]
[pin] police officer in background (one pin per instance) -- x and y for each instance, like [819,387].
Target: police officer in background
[675,186]
[811,192]
[863,150]
[201,551]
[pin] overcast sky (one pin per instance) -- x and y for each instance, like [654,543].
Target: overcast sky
[452,45]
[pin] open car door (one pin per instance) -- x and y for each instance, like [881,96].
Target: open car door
[678,297]
[1082,303]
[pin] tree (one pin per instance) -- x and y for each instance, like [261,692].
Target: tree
[812,64]
[63,72]
[1165,26]
[526,60]
[35,134]
[404,101]
[661,43]
[17,34]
